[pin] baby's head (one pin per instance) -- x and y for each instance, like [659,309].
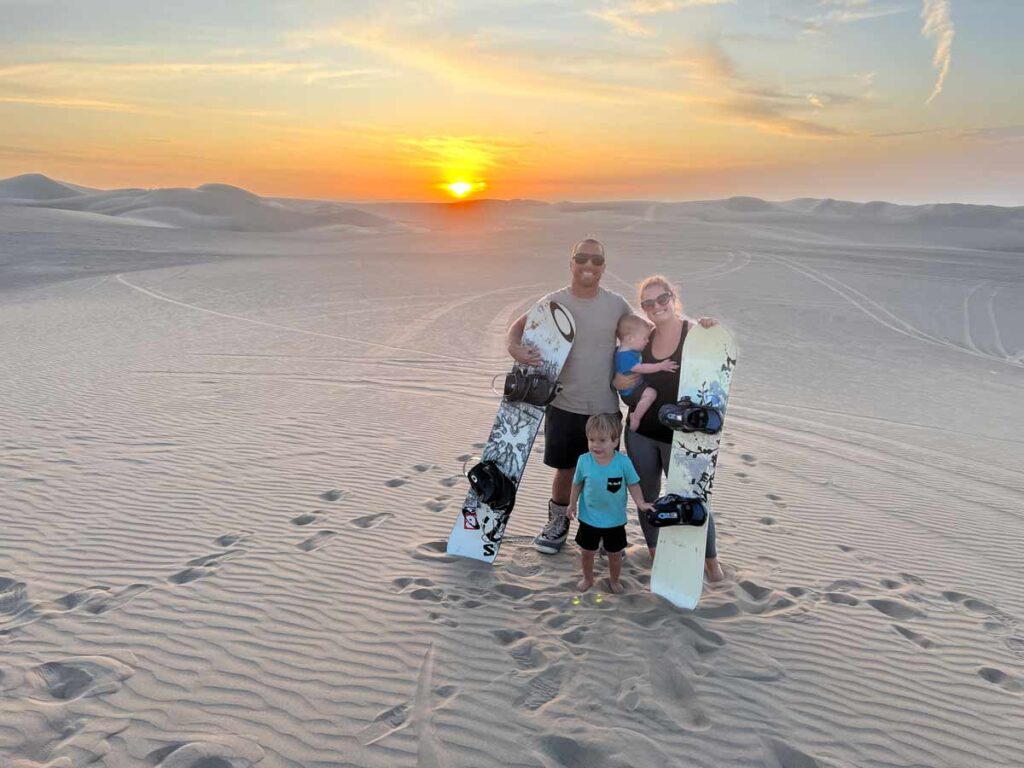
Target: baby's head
[633,332]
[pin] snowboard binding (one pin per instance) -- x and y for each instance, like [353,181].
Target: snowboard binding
[492,486]
[673,509]
[688,416]
[532,388]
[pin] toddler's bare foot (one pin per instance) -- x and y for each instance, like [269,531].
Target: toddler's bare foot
[584,584]
[634,421]
[713,570]
[615,587]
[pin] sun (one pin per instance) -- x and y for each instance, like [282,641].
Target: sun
[460,189]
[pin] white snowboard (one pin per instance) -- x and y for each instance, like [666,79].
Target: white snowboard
[709,356]
[478,530]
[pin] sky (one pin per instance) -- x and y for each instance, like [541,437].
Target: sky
[911,101]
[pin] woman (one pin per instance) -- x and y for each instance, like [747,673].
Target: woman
[650,445]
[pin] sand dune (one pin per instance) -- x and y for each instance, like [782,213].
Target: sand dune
[210,206]
[229,460]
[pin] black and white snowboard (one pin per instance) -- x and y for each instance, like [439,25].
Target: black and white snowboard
[479,528]
[709,357]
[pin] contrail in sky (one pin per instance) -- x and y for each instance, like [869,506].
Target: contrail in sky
[938,25]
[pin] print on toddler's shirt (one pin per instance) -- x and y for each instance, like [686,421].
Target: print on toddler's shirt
[614,484]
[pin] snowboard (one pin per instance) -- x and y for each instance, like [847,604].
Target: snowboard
[479,529]
[709,357]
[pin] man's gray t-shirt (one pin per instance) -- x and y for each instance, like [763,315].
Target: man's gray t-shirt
[587,375]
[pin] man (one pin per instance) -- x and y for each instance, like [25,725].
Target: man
[586,378]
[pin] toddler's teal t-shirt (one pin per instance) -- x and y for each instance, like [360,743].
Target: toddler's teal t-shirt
[602,502]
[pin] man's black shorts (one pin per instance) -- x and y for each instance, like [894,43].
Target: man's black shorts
[565,437]
[590,538]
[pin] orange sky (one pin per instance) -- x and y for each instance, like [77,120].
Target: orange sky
[678,99]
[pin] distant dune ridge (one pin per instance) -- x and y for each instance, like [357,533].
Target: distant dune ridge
[225,207]
[210,206]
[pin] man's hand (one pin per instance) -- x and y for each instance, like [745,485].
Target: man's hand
[670,366]
[645,507]
[571,512]
[707,322]
[525,354]
[623,381]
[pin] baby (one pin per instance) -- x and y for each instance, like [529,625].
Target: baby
[634,332]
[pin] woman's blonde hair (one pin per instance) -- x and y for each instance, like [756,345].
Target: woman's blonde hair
[604,425]
[662,281]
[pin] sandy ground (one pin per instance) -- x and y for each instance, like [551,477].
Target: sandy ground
[229,460]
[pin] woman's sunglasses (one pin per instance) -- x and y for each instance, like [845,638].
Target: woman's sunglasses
[648,304]
[582,258]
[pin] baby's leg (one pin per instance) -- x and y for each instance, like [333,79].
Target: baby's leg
[647,398]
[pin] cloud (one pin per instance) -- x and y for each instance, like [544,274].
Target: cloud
[837,12]
[624,17]
[1002,135]
[772,110]
[494,62]
[470,154]
[939,26]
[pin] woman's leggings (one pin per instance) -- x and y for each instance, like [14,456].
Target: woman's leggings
[650,458]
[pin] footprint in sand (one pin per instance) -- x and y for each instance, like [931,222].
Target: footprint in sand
[100,600]
[915,637]
[230,539]
[371,521]
[438,503]
[203,566]
[316,541]
[77,677]
[665,698]
[419,589]
[13,596]
[397,717]
[424,467]
[436,551]
[207,752]
[450,482]
[307,518]
[333,495]
[995,619]
[896,609]
[396,482]
[766,521]
[779,754]
[748,459]
[841,598]
[1002,679]
[1016,645]
[775,499]
[544,688]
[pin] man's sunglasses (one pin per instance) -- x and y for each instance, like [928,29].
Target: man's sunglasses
[648,304]
[582,258]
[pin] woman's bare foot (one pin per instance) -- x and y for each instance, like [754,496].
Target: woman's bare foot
[615,587]
[584,584]
[713,570]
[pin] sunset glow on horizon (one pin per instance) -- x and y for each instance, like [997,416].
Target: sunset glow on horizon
[904,100]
